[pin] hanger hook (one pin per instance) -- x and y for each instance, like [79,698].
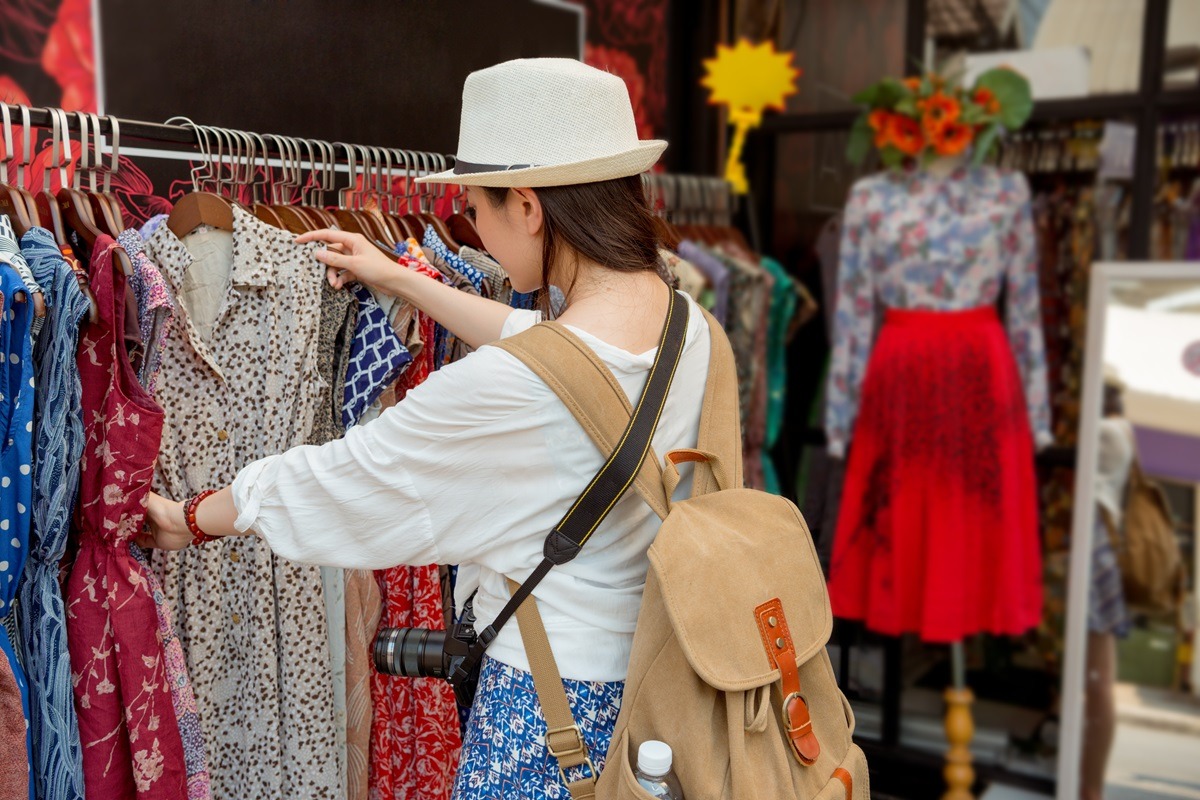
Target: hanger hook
[84,162]
[115,148]
[9,152]
[343,192]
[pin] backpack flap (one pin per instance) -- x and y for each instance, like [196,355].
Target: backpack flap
[720,556]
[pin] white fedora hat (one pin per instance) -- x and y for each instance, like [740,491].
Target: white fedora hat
[546,122]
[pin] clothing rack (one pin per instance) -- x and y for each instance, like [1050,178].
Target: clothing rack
[703,200]
[193,134]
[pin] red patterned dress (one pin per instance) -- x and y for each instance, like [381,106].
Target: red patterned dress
[131,742]
[415,738]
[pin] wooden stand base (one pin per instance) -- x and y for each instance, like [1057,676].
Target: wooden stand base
[960,729]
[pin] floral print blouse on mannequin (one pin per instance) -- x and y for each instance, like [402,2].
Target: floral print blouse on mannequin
[914,240]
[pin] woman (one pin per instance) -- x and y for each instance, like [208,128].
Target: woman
[476,464]
[1108,617]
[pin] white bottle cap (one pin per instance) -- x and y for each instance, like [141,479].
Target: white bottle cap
[654,758]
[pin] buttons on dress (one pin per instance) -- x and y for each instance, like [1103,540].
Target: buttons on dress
[235,556]
[222,435]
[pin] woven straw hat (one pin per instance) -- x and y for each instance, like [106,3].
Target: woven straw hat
[546,122]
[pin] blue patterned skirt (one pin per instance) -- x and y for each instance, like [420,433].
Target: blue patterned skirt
[504,755]
[1107,612]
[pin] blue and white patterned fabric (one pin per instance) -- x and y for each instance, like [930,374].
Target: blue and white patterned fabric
[377,357]
[56,755]
[432,242]
[504,755]
[10,253]
[16,457]
[1107,612]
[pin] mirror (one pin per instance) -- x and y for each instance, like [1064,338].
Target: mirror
[1131,694]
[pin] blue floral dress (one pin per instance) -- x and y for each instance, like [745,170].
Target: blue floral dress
[56,753]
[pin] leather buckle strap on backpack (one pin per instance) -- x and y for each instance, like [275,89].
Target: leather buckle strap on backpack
[566,539]
[781,652]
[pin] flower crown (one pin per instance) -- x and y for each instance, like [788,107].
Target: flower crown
[924,118]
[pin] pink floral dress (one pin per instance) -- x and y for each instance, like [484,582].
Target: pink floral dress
[128,729]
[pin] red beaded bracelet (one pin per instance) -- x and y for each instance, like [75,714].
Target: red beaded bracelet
[189,516]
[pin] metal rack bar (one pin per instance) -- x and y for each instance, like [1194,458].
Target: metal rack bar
[143,131]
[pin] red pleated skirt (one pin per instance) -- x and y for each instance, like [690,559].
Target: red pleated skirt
[938,529]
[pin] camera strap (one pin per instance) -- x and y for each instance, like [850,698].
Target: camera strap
[619,472]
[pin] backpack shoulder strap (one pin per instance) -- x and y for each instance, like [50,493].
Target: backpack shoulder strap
[720,417]
[590,391]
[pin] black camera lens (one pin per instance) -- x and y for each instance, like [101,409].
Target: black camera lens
[411,652]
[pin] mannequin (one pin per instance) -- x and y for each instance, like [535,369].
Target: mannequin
[959,724]
[941,389]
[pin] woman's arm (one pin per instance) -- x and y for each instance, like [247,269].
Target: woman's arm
[167,524]
[475,320]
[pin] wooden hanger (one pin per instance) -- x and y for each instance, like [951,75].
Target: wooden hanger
[323,180]
[101,211]
[438,163]
[294,219]
[12,202]
[356,221]
[76,209]
[262,210]
[200,208]
[106,194]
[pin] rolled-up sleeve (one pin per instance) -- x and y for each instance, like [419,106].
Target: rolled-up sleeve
[422,484]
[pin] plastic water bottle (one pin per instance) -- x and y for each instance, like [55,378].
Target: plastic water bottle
[654,771]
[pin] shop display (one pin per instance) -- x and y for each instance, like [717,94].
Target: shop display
[938,531]
[160,329]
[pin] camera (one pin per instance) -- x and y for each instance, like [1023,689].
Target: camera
[426,653]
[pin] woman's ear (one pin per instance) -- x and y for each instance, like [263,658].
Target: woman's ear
[531,209]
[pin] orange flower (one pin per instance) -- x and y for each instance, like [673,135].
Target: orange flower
[906,135]
[987,100]
[881,121]
[939,109]
[953,138]
[913,84]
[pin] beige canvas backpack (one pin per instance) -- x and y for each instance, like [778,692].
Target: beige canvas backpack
[1147,551]
[729,664]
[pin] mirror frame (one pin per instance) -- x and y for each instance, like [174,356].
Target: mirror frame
[1103,275]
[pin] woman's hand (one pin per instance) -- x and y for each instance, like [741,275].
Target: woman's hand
[350,257]
[166,527]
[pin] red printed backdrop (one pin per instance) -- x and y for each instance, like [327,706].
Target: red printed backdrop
[47,59]
[630,38]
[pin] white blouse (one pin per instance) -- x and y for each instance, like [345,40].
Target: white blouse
[1113,464]
[474,467]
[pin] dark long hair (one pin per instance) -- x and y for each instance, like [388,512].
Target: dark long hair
[608,222]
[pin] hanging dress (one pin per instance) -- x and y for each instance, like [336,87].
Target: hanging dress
[16,491]
[240,381]
[415,736]
[938,532]
[131,742]
[156,314]
[54,728]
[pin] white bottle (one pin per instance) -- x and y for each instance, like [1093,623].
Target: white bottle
[654,771]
